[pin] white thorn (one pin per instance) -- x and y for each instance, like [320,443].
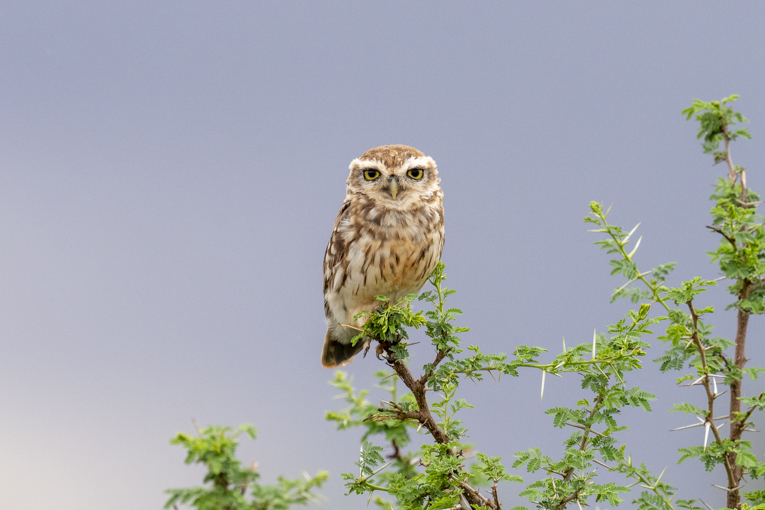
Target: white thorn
[626,239]
[688,427]
[594,338]
[541,395]
[564,344]
[662,474]
[725,488]
[635,248]
[706,435]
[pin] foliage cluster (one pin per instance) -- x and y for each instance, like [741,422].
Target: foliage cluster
[232,486]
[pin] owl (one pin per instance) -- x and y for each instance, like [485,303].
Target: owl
[387,239]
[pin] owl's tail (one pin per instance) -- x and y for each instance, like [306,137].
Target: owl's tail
[336,353]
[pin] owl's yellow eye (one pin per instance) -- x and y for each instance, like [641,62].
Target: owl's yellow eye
[415,173]
[371,174]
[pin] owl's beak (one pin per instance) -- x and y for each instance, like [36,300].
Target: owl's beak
[393,186]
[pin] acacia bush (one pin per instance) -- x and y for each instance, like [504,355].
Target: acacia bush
[231,486]
[443,474]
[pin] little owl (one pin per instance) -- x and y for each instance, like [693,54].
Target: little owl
[387,239]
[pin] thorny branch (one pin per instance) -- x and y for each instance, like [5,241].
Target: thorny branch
[423,414]
[735,472]
[583,444]
[710,394]
[739,360]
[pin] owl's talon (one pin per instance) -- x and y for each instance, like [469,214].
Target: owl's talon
[366,348]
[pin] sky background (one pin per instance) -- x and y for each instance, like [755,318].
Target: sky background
[170,173]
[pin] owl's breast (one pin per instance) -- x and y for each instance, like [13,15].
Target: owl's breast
[395,257]
[375,251]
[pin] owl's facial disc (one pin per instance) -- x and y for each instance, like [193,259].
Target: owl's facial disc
[393,186]
[398,180]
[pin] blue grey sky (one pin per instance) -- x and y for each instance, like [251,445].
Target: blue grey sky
[170,173]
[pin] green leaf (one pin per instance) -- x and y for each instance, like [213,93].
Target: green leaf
[689,409]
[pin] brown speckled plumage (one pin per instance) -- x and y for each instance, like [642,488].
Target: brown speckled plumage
[387,238]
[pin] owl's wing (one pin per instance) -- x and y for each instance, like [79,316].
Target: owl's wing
[337,248]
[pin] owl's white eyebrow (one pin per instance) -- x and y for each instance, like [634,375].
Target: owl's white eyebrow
[423,163]
[367,164]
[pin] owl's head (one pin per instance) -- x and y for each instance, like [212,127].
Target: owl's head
[396,175]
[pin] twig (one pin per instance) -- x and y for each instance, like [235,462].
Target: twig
[749,412]
[440,355]
[640,276]
[396,451]
[585,428]
[495,496]
[568,499]
[726,236]
[475,497]
[731,167]
[598,462]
